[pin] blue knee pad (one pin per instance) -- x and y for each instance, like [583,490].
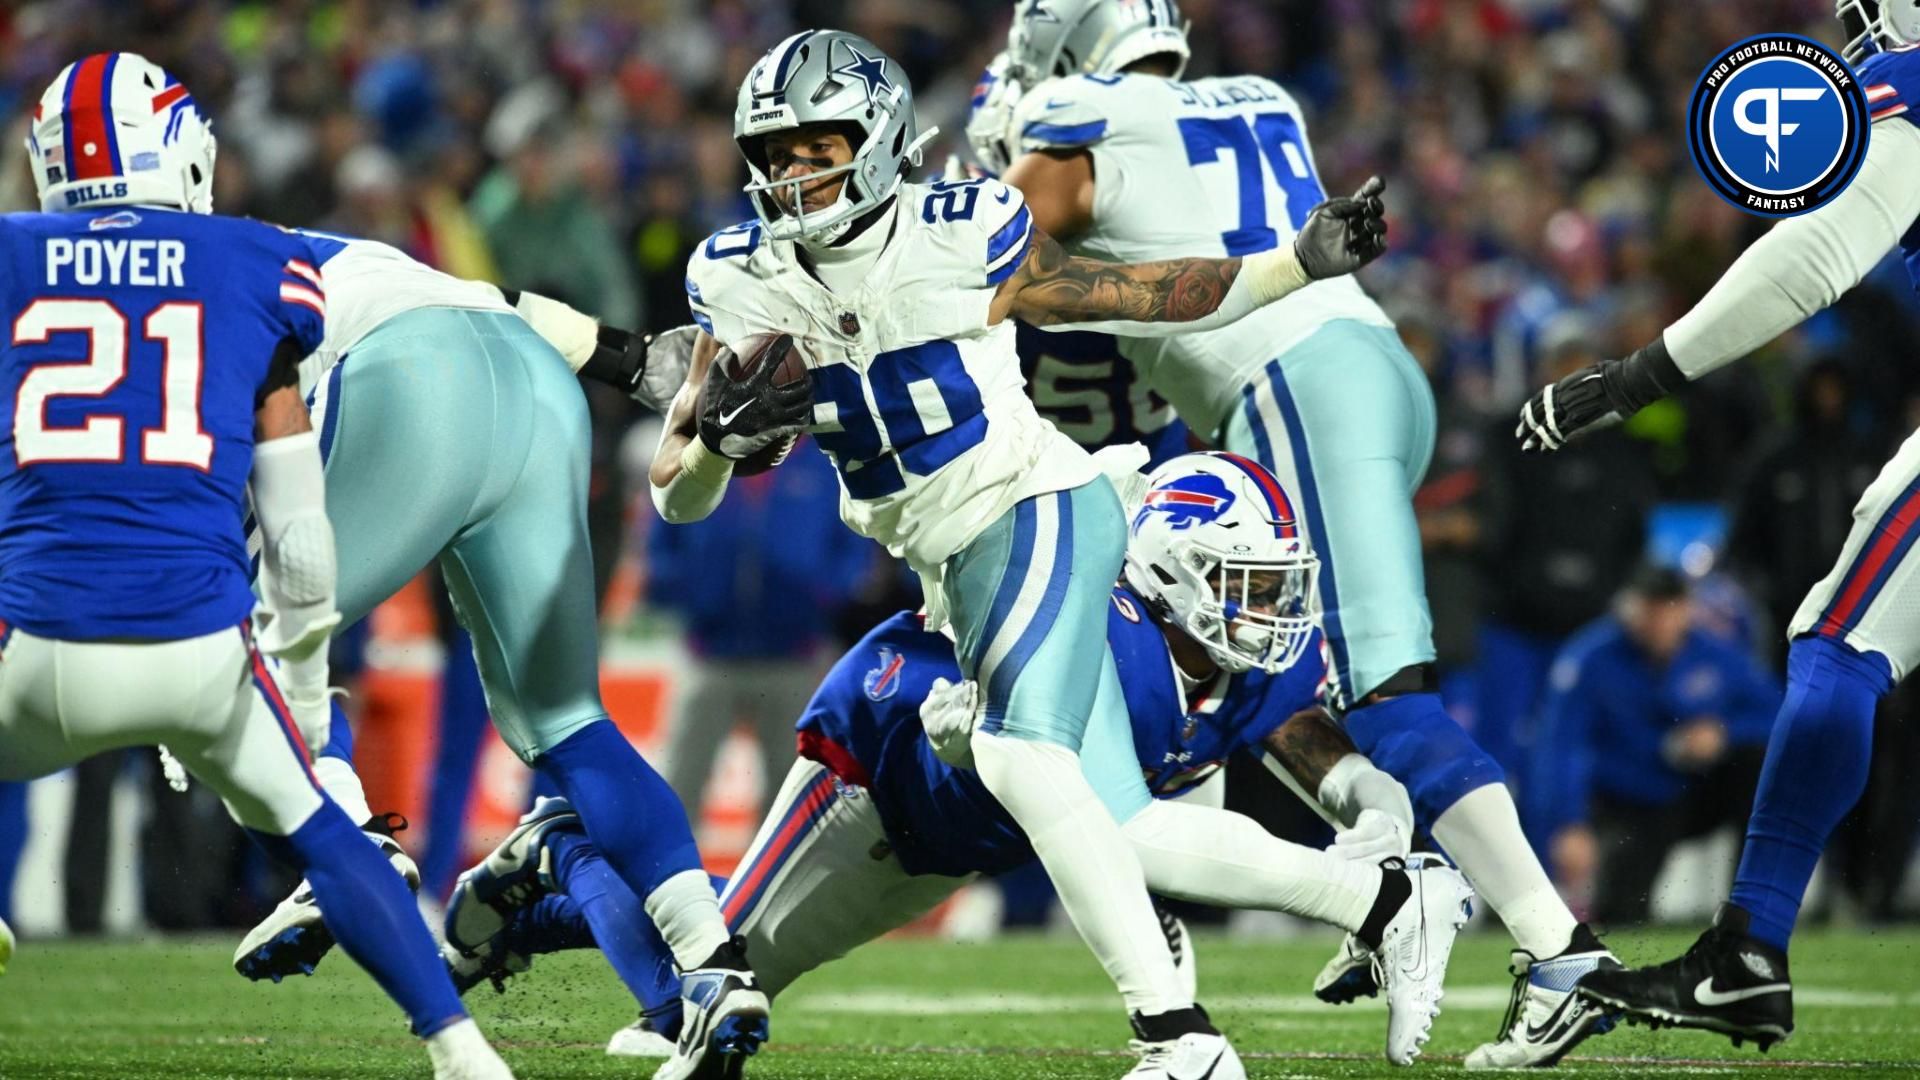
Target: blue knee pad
[1413,740]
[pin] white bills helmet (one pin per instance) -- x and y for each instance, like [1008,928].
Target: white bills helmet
[990,115]
[1092,37]
[827,77]
[115,129]
[1217,549]
[1873,25]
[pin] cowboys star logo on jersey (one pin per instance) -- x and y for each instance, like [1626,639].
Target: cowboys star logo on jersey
[1778,125]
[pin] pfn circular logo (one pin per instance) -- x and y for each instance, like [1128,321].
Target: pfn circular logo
[1778,125]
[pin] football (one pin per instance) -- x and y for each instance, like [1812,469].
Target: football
[738,366]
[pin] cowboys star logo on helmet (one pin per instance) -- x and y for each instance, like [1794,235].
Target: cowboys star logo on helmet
[1778,125]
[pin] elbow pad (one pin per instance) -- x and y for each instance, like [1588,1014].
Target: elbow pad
[298,568]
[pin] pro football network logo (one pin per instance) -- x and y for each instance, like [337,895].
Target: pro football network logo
[1778,125]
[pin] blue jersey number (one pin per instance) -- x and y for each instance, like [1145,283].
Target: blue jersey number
[953,198]
[929,413]
[1273,136]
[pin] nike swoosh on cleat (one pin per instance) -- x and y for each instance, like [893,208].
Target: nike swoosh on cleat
[1705,994]
[728,418]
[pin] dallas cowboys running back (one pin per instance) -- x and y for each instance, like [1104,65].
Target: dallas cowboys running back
[452,431]
[1854,636]
[1105,137]
[897,296]
[151,380]
[1214,645]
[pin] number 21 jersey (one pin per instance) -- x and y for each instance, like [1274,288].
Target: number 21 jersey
[139,343]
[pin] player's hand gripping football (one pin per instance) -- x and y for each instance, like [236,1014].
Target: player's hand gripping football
[739,419]
[1596,397]
[1343,234]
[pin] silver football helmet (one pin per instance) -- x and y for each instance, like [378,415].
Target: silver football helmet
[1092,37]
[827,77]
[1873,25]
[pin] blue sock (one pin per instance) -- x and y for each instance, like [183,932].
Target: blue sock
[463,726]
[1817,763]
[634,819]
[371,914]
[620,925]
[1412,739]
[553,924]
[339,736]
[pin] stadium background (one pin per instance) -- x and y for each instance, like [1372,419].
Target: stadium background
[1543,213]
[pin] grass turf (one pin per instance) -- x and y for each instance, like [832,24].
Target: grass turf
[906,1009]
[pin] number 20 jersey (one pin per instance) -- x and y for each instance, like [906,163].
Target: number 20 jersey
[1213,167]
[138,344]
[918,401]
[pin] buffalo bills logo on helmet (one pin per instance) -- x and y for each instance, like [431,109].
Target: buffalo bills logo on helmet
[884,681]
[1196,499]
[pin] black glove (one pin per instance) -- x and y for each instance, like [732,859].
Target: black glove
[1597,397]
[739,419]
[1344,234]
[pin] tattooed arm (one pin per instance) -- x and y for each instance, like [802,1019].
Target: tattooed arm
[1312,750]
[1054,290]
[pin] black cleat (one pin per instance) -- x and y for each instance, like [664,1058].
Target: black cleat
[1729,982]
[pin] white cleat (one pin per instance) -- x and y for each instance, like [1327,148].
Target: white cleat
[292,939]
[723,1019]
[1411,962]
[1193,1056]
[1547,1018]
[1348,976]
[638,1039]
[6,946]
[460,1052]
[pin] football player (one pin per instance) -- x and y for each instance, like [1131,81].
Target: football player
[899,297]
[1118,157]
[152,388]
[1854,636]
[1214,646]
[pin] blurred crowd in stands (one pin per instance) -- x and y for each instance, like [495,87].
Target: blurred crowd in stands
[1544,215]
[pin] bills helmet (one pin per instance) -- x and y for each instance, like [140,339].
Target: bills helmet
[115,129]
[1216,549]
[990,115]
[1092,37]
[1873,25]
[827,77]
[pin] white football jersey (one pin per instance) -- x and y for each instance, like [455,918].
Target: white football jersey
[1214,167]
[918,401]
[367,283]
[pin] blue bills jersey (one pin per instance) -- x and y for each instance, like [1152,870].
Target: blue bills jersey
[139,345]
[1891,81]
[1095,396]
[864,724]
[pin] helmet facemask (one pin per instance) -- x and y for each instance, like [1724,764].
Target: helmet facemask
[1247,613]
[1874,25]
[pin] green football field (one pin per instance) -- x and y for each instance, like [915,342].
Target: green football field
[1021,1007]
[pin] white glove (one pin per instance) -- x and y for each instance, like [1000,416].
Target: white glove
[1375,835]
[314,718]
[948,714]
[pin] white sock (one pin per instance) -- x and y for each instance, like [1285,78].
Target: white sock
[1220,857]
[342,785]
[687,914]
[1482,833]
[1092,865]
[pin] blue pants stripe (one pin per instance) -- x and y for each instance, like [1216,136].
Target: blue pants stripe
[1000,687]
[1310,495]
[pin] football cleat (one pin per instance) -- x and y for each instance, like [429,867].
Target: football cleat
[1546,1018]
[292,939]
[459,1052]
[1411,962]
[640,1039]
[1348,976]
[724,1019]
[492,963]
[1182,1045]
[509,879]
[1729,982]
[6,946]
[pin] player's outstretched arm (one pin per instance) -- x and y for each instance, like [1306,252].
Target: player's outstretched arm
[1799,267]
[646,367]
[1054,290]
[1312,755]
[298,572]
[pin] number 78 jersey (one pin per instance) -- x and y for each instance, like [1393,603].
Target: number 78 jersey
[1218,167]
[918,401]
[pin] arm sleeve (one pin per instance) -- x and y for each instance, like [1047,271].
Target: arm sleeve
[1803,264]
[297,569]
